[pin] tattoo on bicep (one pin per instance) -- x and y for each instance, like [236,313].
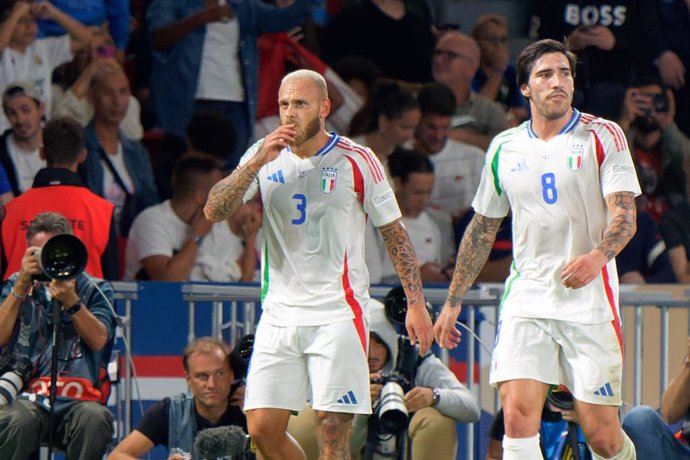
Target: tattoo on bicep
[622,226]
[226,196]
[401,253]
[472,255]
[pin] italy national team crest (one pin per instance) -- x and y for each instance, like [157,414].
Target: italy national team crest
[575,157]
[328,177]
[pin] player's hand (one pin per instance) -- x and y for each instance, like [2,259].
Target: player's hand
[217,11]
[446,332]
[272,144]
[419,327]
[419,398]
[580,271]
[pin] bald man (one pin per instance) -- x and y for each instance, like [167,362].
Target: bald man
[313,330]
[477,119]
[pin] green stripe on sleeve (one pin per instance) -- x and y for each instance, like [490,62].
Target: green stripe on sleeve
[494,171]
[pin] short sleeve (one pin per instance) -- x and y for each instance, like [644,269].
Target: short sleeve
[490,199]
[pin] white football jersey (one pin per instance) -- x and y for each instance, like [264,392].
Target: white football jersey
[315,210]
[556,192]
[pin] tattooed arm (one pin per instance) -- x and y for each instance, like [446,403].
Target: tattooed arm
[473,253]
[404,260]
[622,226]
[226,196]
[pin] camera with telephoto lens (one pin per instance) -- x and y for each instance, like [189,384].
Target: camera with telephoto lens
[62,257]
[14,373]
[391,415]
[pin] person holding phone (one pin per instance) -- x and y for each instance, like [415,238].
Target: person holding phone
[658,146]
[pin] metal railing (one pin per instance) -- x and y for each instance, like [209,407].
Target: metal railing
[242,302]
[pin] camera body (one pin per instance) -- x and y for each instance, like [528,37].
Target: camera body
[14,373]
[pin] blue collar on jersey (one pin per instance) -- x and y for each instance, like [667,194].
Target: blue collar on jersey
[326,148]
[567,128]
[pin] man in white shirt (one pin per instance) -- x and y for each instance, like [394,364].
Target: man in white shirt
[457,165]
[19,148]
[172,241]
[431,232]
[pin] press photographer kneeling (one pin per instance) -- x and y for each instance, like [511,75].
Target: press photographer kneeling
[431,394]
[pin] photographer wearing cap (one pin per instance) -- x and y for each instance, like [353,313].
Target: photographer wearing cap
[665,434]
[82,424]
[658,146]
[212,401]
[435,401]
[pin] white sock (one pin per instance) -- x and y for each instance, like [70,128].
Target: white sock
[627,452]
[521,448]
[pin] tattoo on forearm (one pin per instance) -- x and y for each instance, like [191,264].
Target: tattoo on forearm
[472,255]
[622,226]
[401,253]
[333,434]
[226,196]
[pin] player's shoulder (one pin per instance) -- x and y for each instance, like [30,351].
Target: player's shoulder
[607,131]
[517,133]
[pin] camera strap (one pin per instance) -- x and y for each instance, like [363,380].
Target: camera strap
[113,171]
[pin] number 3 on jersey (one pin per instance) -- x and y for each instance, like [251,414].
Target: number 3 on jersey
[548,188]
[301,207]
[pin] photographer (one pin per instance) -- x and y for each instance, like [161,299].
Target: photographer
[82,424]
[212,401]
[664,435]
[658,147]
[436,401]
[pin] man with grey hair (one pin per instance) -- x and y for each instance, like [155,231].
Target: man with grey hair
[455,62]
[82,425]
[313,329]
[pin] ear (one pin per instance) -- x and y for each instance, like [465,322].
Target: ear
[42,153]
[325,108]
[524,89]
[81,157]
[383,123]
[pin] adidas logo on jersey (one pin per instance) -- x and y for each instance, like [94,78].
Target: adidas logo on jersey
[277,177]
[520,166]
[349,398]
[606,390]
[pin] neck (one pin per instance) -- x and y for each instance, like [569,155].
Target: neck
[17,48]
[421,148]
[107,135]
[72,168]
[548,128]
[393,8]
[31,143]
[309,148]
[377,142]
[647,140]
[462,94]
[212,414]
